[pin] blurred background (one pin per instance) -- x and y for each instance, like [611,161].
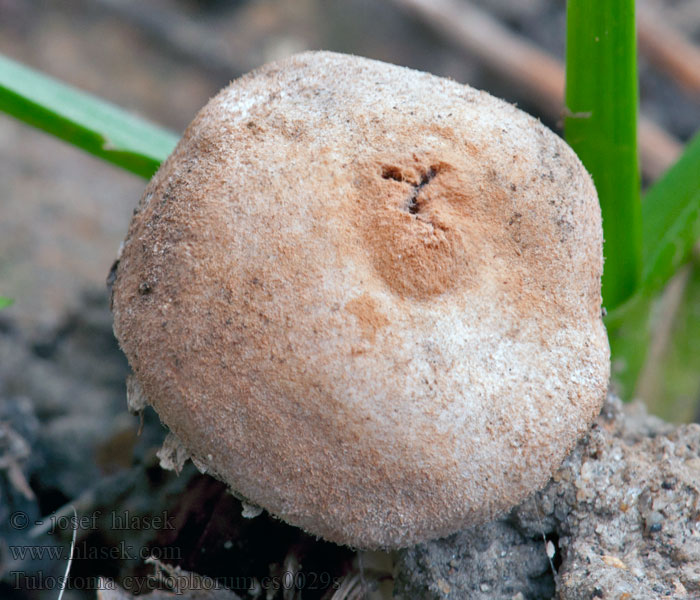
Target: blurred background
[64,213]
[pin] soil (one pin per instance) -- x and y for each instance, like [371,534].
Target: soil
[617,520]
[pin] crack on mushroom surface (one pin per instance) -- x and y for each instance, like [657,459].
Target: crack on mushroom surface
[425,178]
[412,205]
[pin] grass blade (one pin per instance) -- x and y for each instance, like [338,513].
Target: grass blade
[5,302]
[671,226]
[629,333]
[64,581]
[601,126]
[83,120]
[671,219]
[670,382]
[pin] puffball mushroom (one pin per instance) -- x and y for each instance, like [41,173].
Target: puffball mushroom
[368,298]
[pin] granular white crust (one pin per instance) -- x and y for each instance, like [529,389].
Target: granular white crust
[368,298]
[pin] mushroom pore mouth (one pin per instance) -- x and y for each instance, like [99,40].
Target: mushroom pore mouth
[412,205]
[413,225]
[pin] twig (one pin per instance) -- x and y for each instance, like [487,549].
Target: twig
[668,49]
[658,148]
[537,75]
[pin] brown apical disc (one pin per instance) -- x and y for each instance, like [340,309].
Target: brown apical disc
[368,298]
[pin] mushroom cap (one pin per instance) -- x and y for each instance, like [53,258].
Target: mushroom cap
[368,298]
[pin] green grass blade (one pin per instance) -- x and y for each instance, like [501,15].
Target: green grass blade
[671,383]
[671,219]
[601,126]
[629,333]
[5,302]
[671,225]
[83,120]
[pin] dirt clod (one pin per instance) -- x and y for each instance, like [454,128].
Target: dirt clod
[622,514]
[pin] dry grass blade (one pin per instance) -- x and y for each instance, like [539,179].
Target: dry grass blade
[15,452]
[669,49]
[366,582]
[183,36]
[658,149]
[537,74]
[64,583]
[352,588]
